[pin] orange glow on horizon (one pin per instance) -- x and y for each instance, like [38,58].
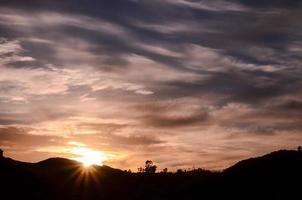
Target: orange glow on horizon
[89,157]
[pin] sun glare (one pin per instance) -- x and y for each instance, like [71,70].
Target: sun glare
[89,157]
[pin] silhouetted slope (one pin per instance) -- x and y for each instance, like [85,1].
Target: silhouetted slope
[273,176]
[279,162]
[17,183]
[63,163]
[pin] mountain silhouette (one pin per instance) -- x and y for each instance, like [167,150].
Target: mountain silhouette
[273,176]
[269,165]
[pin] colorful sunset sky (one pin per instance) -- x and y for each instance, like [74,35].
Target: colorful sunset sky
[184,83]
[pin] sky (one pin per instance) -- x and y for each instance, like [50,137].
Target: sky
[184,83]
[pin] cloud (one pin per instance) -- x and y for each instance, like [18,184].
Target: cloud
[22,83]
[10,52]
[20,138]
[215,5]
[172,114]
[271,4]
[169,122]
[202,81]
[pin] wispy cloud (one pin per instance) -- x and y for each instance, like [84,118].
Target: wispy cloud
[202,81]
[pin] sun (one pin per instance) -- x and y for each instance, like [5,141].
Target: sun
[89,157]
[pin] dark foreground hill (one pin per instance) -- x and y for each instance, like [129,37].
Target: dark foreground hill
[273,176]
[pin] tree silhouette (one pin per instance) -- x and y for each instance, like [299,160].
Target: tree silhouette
[299,148]
[165,170]
[150,167]
[140,170]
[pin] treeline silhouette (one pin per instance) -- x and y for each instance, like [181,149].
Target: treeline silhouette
[150,168]
[273,176]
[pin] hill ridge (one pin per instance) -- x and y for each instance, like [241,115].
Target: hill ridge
[271,176]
